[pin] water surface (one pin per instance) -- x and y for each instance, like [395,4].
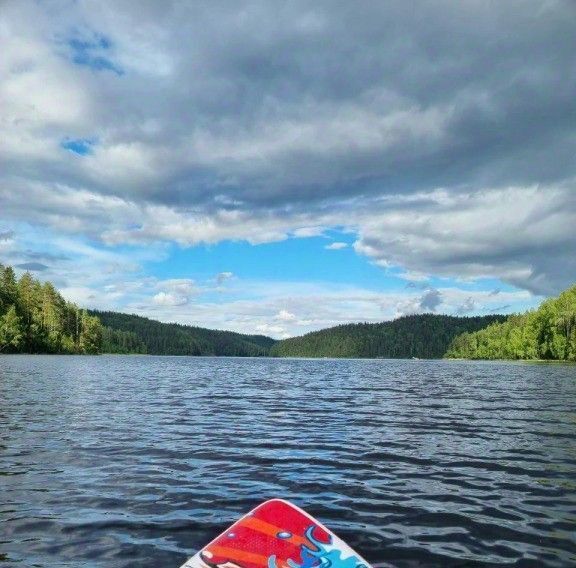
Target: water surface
[119,461]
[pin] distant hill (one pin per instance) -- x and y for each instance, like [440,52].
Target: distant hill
[425,336]
[35,318]
[124,333]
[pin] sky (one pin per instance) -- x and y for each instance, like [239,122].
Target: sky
[279,167]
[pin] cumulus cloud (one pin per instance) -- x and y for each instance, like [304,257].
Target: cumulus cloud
[285,315]
[268,329]
[169,299]
[336,246]
[133,123]
[174,292]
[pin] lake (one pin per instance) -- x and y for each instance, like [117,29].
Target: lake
[121,461]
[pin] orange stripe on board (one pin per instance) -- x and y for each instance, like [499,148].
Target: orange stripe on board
[235,554]
[270,529]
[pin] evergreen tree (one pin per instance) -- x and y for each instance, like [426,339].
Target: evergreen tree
[11,336]
[424,336]
[8,289]
[35,318]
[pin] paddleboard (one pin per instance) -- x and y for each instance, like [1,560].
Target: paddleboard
[277,534]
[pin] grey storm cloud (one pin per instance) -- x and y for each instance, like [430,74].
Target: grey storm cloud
[431,300]
[217,120]
[33,266]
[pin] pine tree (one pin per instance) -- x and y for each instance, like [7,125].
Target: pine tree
[11,336]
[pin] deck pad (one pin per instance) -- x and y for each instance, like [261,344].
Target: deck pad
[277,534]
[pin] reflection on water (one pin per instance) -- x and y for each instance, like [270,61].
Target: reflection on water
[139,461]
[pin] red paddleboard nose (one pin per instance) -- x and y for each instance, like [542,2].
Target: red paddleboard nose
[277,534]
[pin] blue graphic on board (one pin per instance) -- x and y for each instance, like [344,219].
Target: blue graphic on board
[326,556]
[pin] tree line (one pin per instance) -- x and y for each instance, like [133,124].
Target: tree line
[137,334]
[548,333]
[424,336]
[35,318]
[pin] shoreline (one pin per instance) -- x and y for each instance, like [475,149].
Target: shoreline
[307,358]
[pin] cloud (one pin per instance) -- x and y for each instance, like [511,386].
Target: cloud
[131,124]
[223,276]
[169,299]
[522,236]
[336,246]
[285,315]
[174,292]
[431,300]
[292,308]
[182,286]
[32,266]
[268,329]
[6,235]
[469,305]
[414,278]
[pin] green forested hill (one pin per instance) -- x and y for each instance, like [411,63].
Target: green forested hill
[423,336]
[546,333]
[136,334]
[35,318]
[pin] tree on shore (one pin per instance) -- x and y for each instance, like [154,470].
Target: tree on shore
[35,318]
[548,332]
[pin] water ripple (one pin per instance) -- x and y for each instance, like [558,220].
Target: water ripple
[138,461]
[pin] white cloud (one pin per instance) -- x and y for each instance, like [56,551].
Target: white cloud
[285,315]
[181,286]
[336,246]
[521,235]
[414,276]
[169,299]
[269,329]
[174,292]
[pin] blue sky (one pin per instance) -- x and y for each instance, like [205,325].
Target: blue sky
[277,168]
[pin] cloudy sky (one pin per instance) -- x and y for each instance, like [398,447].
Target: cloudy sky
[278,167]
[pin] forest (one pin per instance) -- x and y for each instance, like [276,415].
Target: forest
[424,336]
[35,318]
[547,333]
[143,335]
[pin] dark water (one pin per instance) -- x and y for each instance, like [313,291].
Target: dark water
[138,461]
